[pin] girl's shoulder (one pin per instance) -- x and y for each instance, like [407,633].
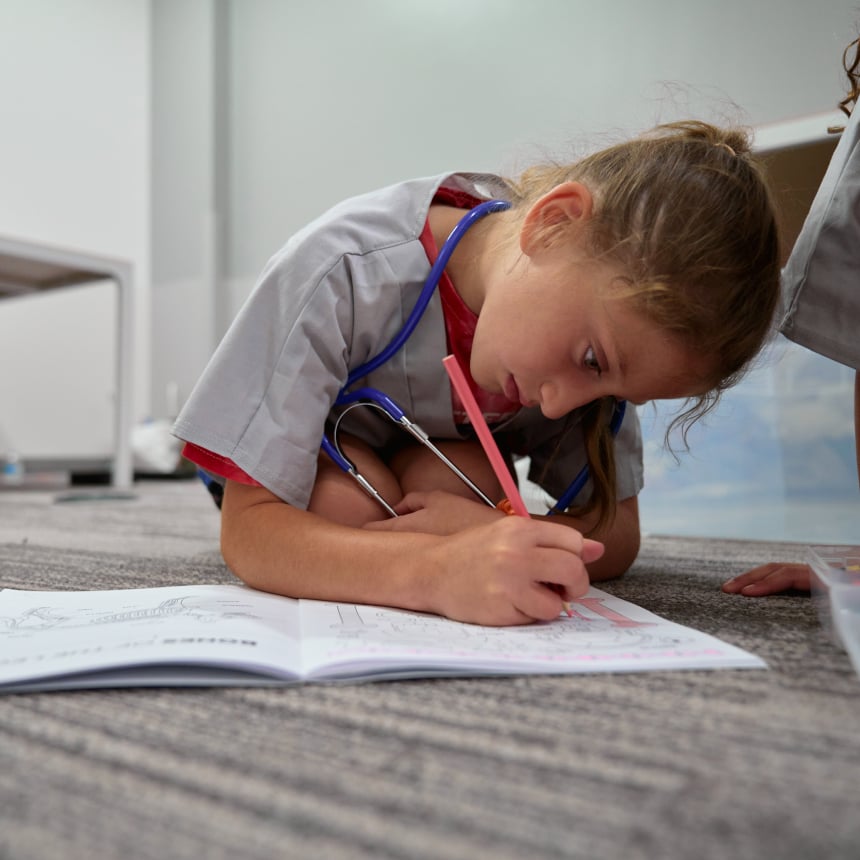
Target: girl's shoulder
[370,223]
[395,212]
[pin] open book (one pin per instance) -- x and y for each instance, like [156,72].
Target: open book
[206,635]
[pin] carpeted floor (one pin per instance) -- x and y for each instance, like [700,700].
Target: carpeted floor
[716,764]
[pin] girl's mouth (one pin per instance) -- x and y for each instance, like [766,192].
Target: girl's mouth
[513,393]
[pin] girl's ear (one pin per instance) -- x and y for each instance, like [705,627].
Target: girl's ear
[568,204]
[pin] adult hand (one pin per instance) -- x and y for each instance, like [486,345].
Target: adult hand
[770,578]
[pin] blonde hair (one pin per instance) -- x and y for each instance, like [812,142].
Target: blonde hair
[685,211]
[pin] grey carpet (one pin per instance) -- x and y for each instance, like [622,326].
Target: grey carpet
[716,764]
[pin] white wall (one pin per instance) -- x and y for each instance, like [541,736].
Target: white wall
[332,97]
[74,171]
[185,243]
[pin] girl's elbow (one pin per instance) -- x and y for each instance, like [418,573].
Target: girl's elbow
[629,552]
[628,536]
[621,551]
[235,555]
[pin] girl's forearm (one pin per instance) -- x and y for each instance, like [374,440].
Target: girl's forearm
[510,570]
[278,548]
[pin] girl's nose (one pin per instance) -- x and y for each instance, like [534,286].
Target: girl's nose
[557,399]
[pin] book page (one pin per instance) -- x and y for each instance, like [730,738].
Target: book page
[604,634]
[230,627]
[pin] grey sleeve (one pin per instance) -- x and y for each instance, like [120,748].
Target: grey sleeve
[821,280]
[263,400]
[331,298]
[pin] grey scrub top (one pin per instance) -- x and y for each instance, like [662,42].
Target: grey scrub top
[334,296]
[821,280]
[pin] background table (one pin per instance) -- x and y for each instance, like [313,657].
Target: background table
[28,268]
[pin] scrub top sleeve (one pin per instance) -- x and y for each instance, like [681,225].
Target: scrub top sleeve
[263,400]
[334,296]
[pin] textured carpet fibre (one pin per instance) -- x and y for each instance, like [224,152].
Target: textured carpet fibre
[716,764]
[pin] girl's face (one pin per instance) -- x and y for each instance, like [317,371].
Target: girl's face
[550,334]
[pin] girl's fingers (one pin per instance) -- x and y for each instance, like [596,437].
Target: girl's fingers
[410,503]
[592,550]
[557,535]
[561,573]
[542,603]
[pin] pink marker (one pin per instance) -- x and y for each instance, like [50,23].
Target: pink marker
[488,443]
[491,449]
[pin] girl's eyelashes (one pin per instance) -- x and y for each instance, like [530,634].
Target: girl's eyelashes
[590,361]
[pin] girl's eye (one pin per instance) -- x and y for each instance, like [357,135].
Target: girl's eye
[590,361]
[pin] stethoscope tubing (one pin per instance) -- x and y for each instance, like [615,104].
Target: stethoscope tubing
[448,247]
[346,397]
[372,396]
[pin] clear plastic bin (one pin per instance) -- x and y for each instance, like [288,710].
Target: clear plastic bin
[836,590]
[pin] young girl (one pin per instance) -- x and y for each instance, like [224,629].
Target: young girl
[647,270]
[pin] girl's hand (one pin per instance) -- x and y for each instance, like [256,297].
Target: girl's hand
[493,568]
[437,512]
[511,571]
[770,579]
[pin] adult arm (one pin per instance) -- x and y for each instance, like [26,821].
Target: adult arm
[857,421]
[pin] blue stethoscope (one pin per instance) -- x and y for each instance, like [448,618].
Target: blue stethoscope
[366,396]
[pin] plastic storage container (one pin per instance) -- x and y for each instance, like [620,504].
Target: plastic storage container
[836,590]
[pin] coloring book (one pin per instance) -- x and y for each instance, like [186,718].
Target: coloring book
[215,635]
